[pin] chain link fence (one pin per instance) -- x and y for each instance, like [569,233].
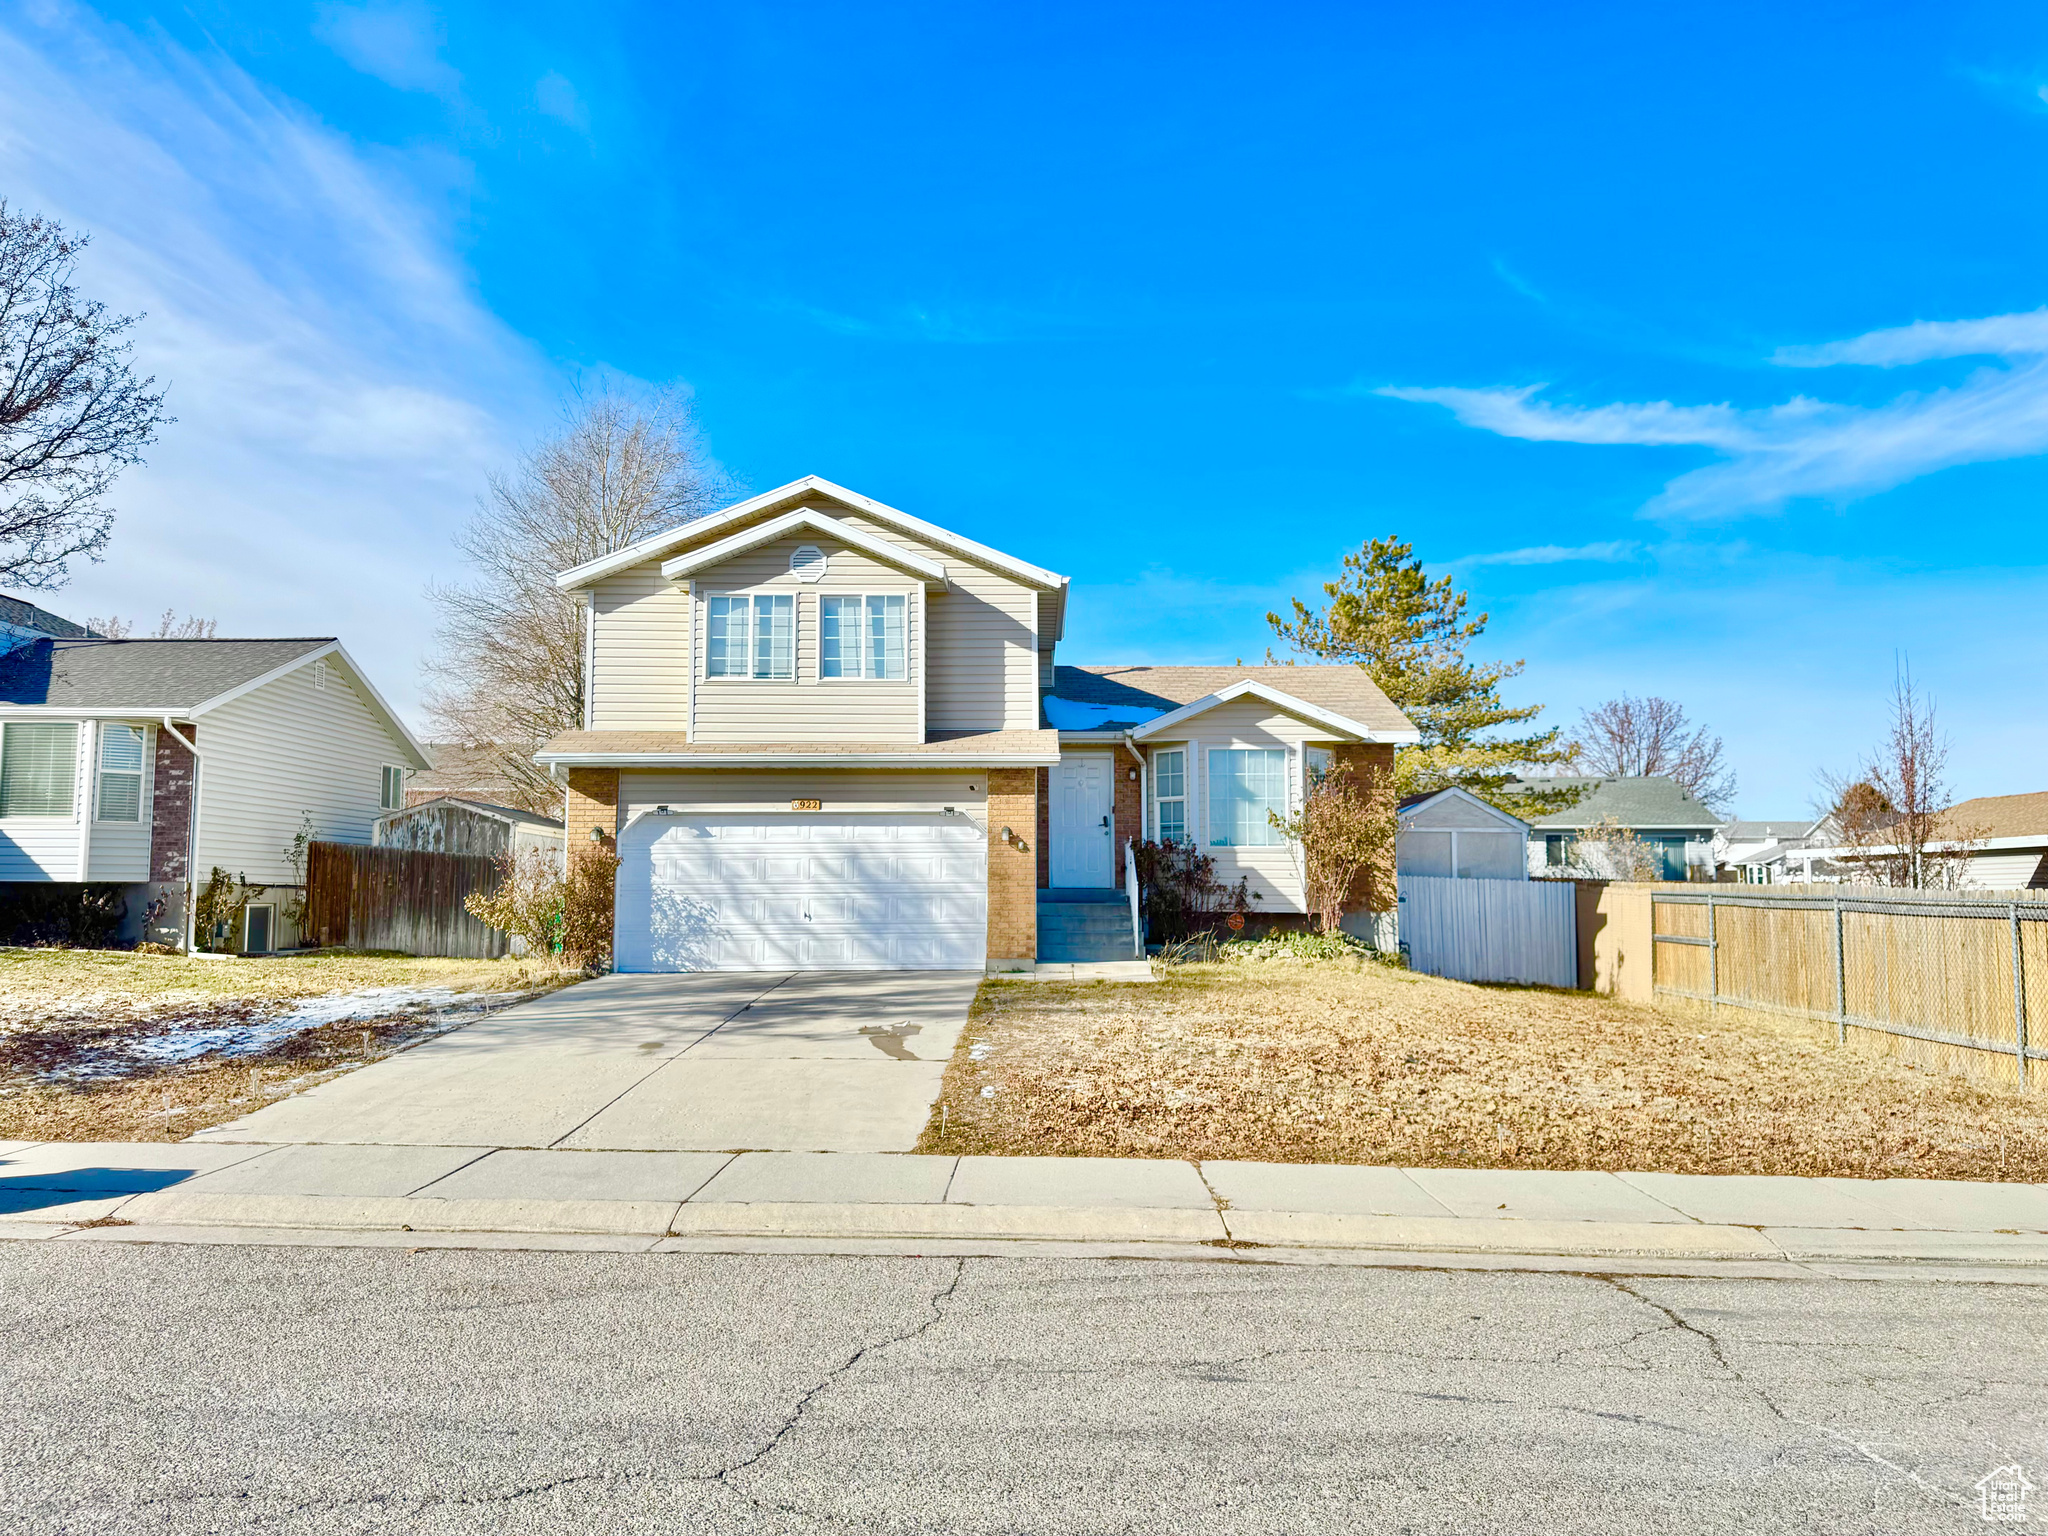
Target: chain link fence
[1950,979]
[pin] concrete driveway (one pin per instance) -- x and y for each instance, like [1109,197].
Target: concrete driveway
[718,1061]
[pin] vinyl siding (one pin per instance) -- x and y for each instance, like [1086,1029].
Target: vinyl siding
[120,849]
[1274,872]
[2005,871]
[808,707]
[640,649]
[984,643]
[39,848]
[772,792]
[285,749]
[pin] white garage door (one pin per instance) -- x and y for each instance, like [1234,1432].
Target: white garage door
[853,892]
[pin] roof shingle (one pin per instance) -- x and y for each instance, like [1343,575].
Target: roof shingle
[1344,690]
[139,674]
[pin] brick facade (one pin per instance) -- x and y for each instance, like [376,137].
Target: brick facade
[1013,863]
[1372,763]
[170,831]
[592,800]
[1127,811]
[1044,825]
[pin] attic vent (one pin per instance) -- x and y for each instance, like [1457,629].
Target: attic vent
[807,563]
[319,674]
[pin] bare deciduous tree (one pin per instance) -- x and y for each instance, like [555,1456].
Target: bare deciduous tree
[1344,829]
[1892,814]
[508,674]
[169,627]
[1609,851]
[1627,737]
[72,413]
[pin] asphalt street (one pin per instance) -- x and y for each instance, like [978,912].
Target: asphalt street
[228,1389]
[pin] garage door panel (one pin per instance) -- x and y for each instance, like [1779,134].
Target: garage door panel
[823,892]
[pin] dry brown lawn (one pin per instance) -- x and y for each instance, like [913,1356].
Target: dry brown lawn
[107,1046]
[1339,1062]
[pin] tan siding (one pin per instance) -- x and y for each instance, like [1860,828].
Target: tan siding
[1275,872]
[285,749]
[966,792]
[640,672]
[809,708]
[984,643]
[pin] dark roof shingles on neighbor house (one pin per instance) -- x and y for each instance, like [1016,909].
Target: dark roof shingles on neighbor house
[25,615]
[139,674]
[1652,802]
[1343,690]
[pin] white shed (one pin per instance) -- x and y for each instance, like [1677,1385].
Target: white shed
[1455,833]
[450,825]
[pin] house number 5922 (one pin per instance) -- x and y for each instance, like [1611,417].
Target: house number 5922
[807,805]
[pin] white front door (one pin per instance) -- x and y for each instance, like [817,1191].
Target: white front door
[1081,822]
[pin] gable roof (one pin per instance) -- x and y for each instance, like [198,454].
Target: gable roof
[1647,800]
[719,524]
[1998,816]
[1344,693]
[815,520]
[164,677]
[507,813]
[17,615]
[1410,803]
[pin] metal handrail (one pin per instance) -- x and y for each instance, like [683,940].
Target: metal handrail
[1131,889]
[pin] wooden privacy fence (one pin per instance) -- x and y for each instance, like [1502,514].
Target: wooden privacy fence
[399,898]
[1962,975]
[1490,930]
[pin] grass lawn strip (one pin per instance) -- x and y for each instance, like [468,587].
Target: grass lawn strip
[98,1046]
[1343,1062]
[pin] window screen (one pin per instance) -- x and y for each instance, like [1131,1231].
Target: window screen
[120,773]
[38,767]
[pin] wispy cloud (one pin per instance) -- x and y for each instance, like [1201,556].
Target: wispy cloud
[396,41]
[1807,447]
[340,392]
[1608,552]
[559,99]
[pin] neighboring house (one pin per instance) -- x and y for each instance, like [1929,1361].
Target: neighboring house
[1678,829]
[449,825]
[467,773]
[1454,832]
[99,782]
[1760,852]
[825,734]
[1997,842]
[21,621]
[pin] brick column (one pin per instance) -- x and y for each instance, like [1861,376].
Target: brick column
[1127,818]
[1372,766]
[1013,866]
[1044,825]
[592,800]
[170,837]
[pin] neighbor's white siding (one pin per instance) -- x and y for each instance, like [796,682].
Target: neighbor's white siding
[120,849]
[808,707]
[640,653]
[2020,871]
[39,848]
[285,749]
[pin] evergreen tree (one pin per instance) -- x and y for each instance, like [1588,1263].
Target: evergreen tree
[1410,634]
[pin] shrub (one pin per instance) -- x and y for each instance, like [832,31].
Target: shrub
[527,901]
[67,915]
[587,906]
[1342,832]
[1179,891]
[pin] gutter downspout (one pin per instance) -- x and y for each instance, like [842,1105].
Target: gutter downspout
[191,835]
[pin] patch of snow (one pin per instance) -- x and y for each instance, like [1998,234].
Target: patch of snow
[1072,715]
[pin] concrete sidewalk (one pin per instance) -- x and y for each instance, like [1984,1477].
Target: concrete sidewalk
[900,1202]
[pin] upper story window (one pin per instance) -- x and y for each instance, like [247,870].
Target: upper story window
[120,773]
[38,769]
[751,636]
[392,797]
[1170,781]
[1245,786]
[862,636]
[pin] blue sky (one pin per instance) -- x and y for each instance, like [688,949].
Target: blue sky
[1704,344]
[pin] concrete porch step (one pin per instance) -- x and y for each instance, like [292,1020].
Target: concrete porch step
[1083,927]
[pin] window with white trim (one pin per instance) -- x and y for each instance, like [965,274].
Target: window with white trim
[1318,761]
[120,797]
[38,769]
[863,636]
[1170,794]
[393,796]
[751,636]
[1246,786]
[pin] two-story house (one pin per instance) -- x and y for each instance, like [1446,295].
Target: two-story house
[825,734]
[146,764]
